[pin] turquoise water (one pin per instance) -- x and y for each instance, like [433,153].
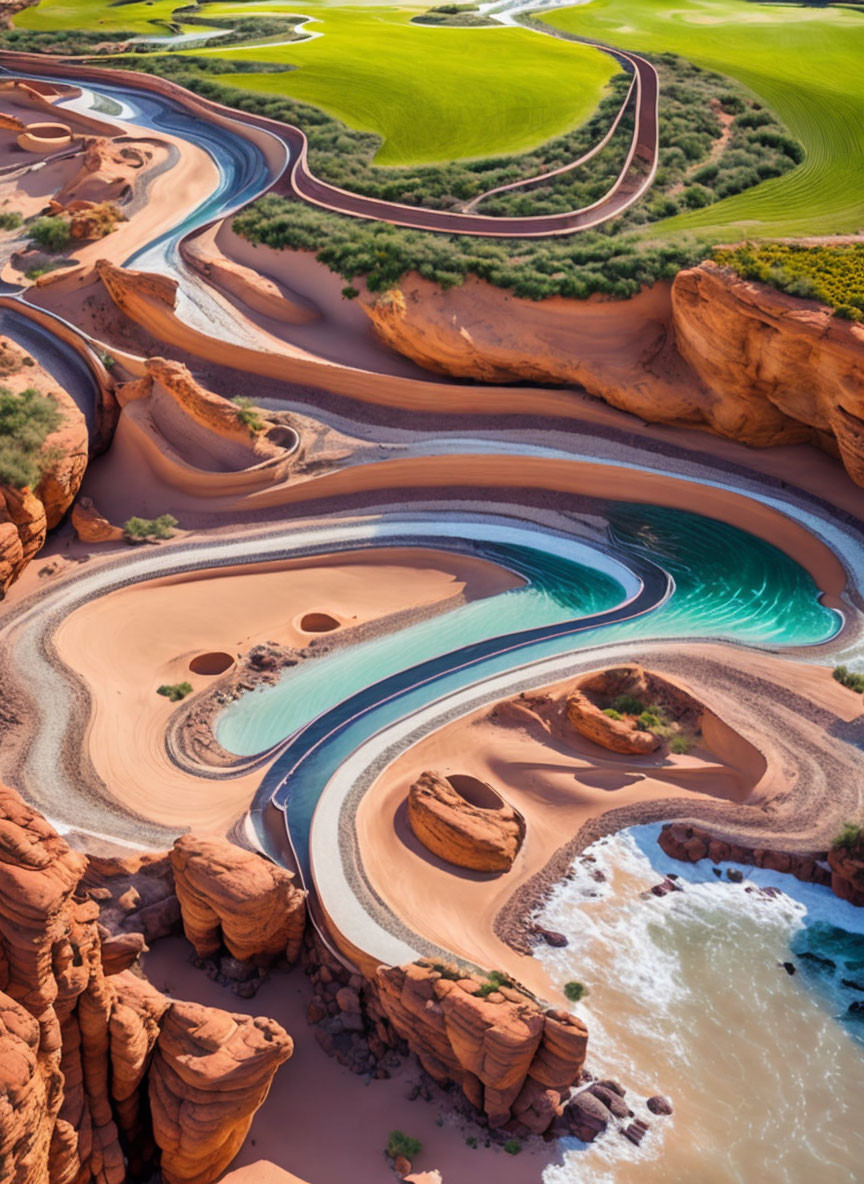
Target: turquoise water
[558,590]
[729,584]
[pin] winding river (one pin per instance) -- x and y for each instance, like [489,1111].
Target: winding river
[659,573]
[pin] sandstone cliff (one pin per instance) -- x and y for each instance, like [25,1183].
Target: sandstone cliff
[514,1059]
[465,822]
[710,349]
[236,897]
[97,1067]
[26,514]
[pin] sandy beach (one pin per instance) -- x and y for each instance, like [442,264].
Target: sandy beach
[126,644]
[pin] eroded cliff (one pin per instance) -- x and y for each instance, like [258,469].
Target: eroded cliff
[100,1074]
[27,512]
[709,349]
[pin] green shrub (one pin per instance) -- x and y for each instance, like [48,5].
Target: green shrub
[680,745]
[833,274]
[176,691]
[650,719]
[574,991]
[402,1144]
[350,292]
[612,713]
[512,1146]
[628,705]
[851,838]
[151,528]
[53,232]
[849,678]
[26,419]
[249,415]
[10,220]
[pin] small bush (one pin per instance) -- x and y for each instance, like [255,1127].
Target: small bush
[176,691]
[574,991]
[402,1144]
[53,233]
[848,678]
[10,220]
[151,528]
[612,713]
[512,1146]
[350,292]
[628,705]
[249,415]
[680,745]
[851,838]
[26,419]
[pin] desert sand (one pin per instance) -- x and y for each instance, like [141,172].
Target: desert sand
[740,768]
[126,644]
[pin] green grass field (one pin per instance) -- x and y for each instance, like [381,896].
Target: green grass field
[805,63]
[97,14]
[432,94]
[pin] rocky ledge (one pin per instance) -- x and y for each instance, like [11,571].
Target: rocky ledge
[839,869]
[750,363]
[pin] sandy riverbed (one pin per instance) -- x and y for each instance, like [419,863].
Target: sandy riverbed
[126,644]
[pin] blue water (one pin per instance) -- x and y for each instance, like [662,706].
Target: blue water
[729,584]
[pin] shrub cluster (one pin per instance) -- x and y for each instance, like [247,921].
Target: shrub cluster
[832,274]
[849,678]
[26,420]
[851,839]
[400,1144]
[248,415]
[53,232]
[151,528]
[597,261]
[175,691]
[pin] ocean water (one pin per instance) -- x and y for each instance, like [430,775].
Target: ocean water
[687,997]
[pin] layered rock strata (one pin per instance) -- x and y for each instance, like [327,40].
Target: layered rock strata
[27,514]
[840,869]
[711,349]
[237,898]
[470,825]
[514,1059]
[100,1074]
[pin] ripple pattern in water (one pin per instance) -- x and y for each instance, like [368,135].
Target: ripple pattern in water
[729,584]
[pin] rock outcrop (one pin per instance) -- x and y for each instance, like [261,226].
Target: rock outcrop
[107,172]
[237,898]
[101,1074]
[465,822]
[616,735]
[27,514]
[91,526]
[513,1059]
[840,870]
[710,349]
[210,1073]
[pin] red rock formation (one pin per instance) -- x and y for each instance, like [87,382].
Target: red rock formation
[78,1049]
[474,830]
[691,843]
[122,285]
[210,1073]
[237,897]
[512,1058]
[107,172]
[617,735]
[743,359]
[847,874]
[25,514]
[91,526]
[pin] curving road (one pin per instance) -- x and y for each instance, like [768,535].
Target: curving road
[635,177]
